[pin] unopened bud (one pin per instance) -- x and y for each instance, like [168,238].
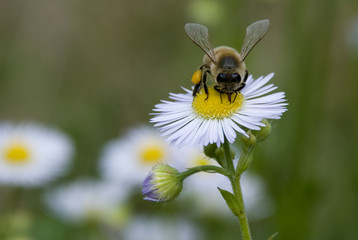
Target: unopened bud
[162,184]
[210,149]
[264,132]
[248,142]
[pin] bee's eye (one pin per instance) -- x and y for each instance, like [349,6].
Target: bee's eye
[221,77]
[236,77]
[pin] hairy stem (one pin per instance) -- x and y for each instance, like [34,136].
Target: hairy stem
[228,157]
[244,223]
[236,187]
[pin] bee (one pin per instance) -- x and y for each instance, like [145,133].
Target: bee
[224,64]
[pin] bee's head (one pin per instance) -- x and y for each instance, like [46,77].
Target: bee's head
[228,78]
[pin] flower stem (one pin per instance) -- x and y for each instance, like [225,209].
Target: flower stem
[203,168]
[228,157]
[244,223]
[235,182]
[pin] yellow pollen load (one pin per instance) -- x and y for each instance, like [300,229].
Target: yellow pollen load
[196,78]
[17,153]
[213,107]
[152,154]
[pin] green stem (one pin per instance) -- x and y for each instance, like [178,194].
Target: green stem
[229,161]
[244,223]
[235,182]
[203,168]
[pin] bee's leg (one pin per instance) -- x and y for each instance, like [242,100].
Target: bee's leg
[206,72]
[229,97]
[196,89]
[216,87]
[206,91]
[241,87]
[238,89]
[235,96]
[205,68]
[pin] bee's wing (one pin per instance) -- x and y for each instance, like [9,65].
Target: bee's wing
[254,33]
[200,36]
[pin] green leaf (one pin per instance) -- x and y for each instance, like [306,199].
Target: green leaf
[231,201]
[273,236]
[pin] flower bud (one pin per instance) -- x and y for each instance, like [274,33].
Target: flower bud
[264,132]
[209,150]
[244,161]
[162,184]
[248,142]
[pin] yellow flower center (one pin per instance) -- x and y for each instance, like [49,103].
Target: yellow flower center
[216,107]
[152,154]
[201,160]
[17,153]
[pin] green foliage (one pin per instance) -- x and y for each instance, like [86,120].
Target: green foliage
[231,201]
[273,236]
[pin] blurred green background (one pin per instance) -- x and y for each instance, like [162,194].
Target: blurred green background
[95,68]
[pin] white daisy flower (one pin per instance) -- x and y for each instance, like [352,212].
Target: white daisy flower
[199,121]
[87,200]
[202,189]
[156,228]
[129,158]
[31,154]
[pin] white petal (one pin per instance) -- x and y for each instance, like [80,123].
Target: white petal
[182,131]
[228,131]
[169,117]
[262,91]
[267,99]
[256,85]
[202,130]
[237,128]
[176,126]
[248,124]
[191,131]
[221,132]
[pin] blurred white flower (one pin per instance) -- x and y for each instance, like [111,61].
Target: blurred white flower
[31,154]
[129,159]
[155,228]
[202,189]
[88,200]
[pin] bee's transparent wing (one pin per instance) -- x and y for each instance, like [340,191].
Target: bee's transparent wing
[254,33]
[200,36]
